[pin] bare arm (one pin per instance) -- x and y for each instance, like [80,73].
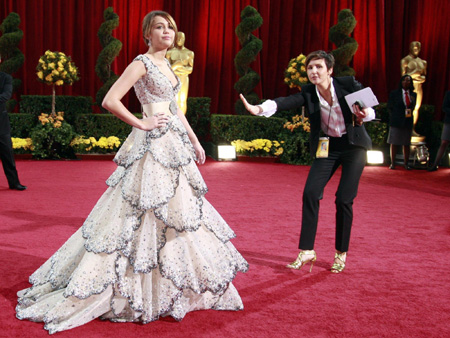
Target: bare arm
[194,140]
[112,100]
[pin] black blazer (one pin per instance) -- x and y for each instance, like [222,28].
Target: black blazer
[5,95]
[307,97]
[396,108]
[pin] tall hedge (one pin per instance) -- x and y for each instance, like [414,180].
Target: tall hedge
[198,115]
[70,105]
[12,57]
[251,46]
[111,48]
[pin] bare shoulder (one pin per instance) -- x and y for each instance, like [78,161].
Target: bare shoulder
[137,66]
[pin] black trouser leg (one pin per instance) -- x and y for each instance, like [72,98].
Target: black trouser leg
[353,161]
[7,157]
[320,173]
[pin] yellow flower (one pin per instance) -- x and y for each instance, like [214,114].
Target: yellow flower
[51,65]
[113,142]
[57,124]
[59,82]
[279,151]
[49,78]
[40,75]
[55,72]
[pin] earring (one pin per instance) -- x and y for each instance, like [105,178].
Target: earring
[149,43]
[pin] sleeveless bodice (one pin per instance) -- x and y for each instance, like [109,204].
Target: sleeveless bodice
[154,86]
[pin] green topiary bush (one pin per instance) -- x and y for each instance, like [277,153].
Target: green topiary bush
[111,48]
[346,45]
[12,57]
[251,46]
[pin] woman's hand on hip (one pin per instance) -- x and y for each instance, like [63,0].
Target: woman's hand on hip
[156,121]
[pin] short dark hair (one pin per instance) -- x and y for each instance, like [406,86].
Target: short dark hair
[320,54]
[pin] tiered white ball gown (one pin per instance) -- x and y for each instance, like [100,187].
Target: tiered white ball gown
[152,246]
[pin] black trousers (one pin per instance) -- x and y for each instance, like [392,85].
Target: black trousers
[7,157]
[352,159]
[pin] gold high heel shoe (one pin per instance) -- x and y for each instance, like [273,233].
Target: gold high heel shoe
[339,266]
[301,260]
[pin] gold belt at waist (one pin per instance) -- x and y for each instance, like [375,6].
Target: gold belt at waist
[151,109]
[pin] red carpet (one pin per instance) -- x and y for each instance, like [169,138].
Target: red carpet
[396,283]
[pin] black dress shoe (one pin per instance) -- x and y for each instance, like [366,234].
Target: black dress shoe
[18,187]
[433,168]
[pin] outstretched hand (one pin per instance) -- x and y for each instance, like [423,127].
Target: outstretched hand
[156,121]
[254,110]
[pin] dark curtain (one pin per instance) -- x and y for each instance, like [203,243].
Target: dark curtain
[384,30]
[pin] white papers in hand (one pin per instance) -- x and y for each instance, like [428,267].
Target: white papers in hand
[365,97]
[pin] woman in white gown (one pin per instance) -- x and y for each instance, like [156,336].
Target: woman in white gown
[153,245]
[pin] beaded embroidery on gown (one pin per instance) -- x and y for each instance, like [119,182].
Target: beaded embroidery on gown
[152,246]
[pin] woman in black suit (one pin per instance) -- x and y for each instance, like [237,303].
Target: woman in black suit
[332,122]
[400,105]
